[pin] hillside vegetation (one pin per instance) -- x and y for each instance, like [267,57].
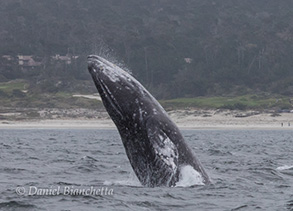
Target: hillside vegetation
[177,49]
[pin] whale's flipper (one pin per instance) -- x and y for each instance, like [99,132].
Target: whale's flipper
[165,154]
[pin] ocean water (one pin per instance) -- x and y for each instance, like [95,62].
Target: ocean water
[57,169]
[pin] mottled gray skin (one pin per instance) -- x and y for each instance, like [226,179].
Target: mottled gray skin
[154,145]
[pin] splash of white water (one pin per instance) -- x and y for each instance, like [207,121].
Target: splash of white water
[100,48]
[285,167]
[130,181]
[188,177]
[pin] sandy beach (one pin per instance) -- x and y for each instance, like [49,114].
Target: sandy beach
[185,119]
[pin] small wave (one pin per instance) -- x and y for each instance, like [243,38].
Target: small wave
[6,146]
[68,184]
[88,158]
[290,205]
[189,177]
[217,152]
[15,205]
[14,170]
[240,207]
[285,167]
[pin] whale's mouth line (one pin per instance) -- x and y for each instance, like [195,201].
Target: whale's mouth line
[110,98]
[96,62]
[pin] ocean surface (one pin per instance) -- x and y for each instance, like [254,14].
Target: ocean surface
[57,169]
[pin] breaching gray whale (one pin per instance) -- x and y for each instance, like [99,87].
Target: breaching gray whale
[154,145]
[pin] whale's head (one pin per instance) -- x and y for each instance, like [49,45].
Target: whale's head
[119,91]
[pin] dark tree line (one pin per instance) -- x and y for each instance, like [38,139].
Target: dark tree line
[233,46]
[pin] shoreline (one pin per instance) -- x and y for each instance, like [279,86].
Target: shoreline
[80,125]
[190,119]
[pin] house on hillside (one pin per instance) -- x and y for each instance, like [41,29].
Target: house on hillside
[28,61]
[7,57]
[67,59]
